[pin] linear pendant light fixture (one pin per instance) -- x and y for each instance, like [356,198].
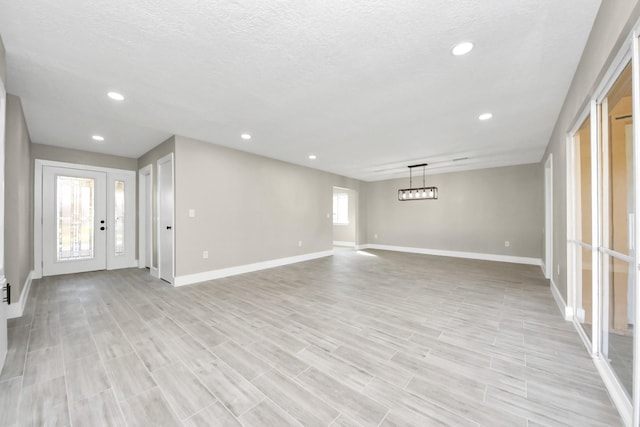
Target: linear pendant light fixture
[419,193]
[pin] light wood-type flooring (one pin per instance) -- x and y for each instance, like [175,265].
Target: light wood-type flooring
[358,339]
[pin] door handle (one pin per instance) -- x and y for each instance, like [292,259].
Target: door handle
[168,227]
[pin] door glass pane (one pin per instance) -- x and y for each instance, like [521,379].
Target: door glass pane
[617,322]
[618,170]
[119,217]
[584,290]
[75,218]
[582,152]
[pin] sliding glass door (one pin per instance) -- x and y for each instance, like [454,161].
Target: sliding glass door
[601,237]
[617,278]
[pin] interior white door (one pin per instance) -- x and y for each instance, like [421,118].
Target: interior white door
[74,220]
[165,218]
[148,222]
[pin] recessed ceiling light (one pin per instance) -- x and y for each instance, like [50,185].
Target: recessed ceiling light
[245,136]
[97,138]
[485,116]
[462,48]
[116,96]
[312,157]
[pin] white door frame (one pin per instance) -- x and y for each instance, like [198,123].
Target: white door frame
[166,161]
[37,208]
[98,260]
[3,280]
[145,222]
[548,217]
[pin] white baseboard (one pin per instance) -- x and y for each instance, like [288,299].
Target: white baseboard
[154,272]
[565,310]
[340,243]
[16,309]
[247,268]
[457,254]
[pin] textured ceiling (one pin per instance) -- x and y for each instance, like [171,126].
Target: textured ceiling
[369,86]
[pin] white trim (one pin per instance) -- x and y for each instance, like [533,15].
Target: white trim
[457,254]
[246,268]
[635,97]
[615,389]
[548,216]
[16,309]
[341,243]
[143,194]
[154,272]
[565,310]
[622,59]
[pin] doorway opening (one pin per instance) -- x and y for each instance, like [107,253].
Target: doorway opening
[345,202]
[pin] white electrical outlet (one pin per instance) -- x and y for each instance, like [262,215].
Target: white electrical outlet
[299,243]
[375,236]
[205,254]
[558,269]
[192,213]
[507,243]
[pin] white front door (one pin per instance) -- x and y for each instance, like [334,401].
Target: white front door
[165,218]
[74,220]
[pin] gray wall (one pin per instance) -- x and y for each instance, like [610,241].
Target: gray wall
[248,208]
[150,158]
[18,219]
[476,212]
[69,155]
[613,24]
[347,232]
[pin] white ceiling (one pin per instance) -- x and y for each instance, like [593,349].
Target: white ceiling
[369,86]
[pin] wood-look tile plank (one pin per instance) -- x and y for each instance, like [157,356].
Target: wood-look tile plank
[9,398]
[354,404]
[86,377]
[78,344]
[240,359]
[409,407]
[299,402]
[17,340]
[278,358]
[184,392]
[215,415]
[46,336]
[267,414]
[112,344]
[232,389]
[149,408]
[353,376]
[99,410]
[44,404]
[43,365]
[128,376]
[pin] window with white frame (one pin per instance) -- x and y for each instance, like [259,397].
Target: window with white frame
[340,208]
